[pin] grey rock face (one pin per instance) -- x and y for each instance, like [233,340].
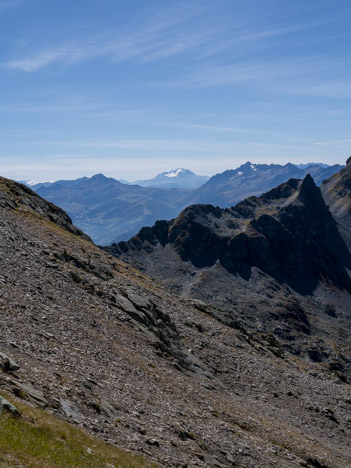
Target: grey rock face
[5,405]
[106,409]
[70,410]
[28,391]
[8,364]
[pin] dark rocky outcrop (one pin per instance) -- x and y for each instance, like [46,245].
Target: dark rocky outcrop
[7,364]
[278,263]
[287,233]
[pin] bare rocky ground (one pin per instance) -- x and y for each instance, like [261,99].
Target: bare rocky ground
[172,378]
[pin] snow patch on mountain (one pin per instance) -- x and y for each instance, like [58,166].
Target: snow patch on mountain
[31,183]
[174,173]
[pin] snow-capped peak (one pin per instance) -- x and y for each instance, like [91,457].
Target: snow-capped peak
[32,182]
[35,182]
[174,173]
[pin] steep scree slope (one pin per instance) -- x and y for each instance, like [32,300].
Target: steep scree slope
[94,341]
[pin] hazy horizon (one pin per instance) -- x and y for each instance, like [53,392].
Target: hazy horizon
[132,89]
[152,175]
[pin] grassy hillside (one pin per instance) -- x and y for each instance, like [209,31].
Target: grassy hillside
[38,439]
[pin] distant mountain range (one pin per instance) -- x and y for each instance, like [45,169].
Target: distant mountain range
[304,166]
[111,211]
[178,178]
[232,186]
[108,210]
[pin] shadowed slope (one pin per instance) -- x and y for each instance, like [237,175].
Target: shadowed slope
[337,193]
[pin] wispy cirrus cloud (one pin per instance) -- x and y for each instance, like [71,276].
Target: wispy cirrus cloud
[117,50]
[332,88]
[42,59]
[164,36]
[171,32]
[244,71]
[8,4]
[258,37]
[196,147]
[303,76]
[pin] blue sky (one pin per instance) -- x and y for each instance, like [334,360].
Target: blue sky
[131,88]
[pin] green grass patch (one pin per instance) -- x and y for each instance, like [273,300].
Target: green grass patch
[38,439]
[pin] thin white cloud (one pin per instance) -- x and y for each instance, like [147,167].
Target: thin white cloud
[340,142]
[239,72]
[250,131]
[157,39]
[257,37]
[8,4]
[307,76]
[36,62]
[195,148]
[333,88]
[51,108]
[171,32]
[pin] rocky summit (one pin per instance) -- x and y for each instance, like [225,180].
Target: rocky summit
[183,382]
[287,233]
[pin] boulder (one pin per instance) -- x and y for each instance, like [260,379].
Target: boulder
[70,410]
[27,391]
[7,364]
[9,407]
